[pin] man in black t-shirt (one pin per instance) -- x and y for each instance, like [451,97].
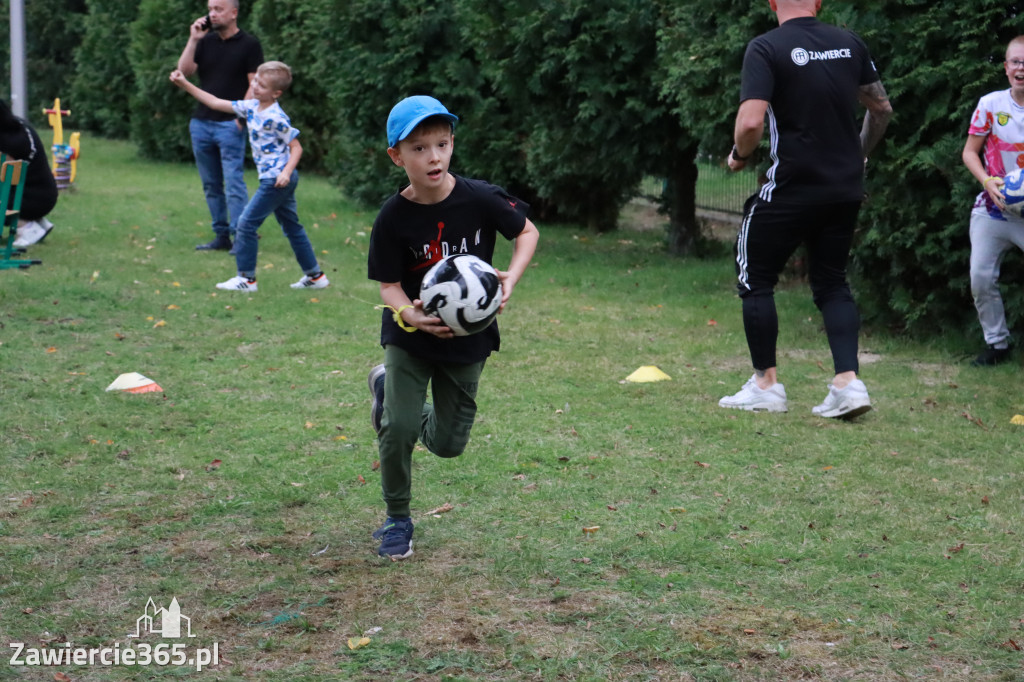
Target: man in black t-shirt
[226,58]
[805,77]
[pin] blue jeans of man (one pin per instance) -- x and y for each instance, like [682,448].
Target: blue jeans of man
[219,148]
[280,201]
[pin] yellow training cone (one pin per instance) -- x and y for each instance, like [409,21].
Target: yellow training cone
[646,374]
[1018,419]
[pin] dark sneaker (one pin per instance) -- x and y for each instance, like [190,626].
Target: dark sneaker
[376,382]
[221,242]
[991,356]
[395,538]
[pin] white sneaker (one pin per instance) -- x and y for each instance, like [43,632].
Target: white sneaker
[238,284]
[307,282]
[756,399]
[30,233]
[851,401]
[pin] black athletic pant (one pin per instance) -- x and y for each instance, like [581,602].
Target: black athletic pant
[770,233]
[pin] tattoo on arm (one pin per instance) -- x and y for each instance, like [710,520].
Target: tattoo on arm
[874,97]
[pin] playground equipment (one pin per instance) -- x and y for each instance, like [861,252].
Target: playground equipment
[12,185]
[65,156]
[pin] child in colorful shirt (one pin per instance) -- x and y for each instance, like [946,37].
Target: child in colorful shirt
[276,151]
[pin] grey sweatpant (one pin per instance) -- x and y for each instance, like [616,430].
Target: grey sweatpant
[990,240]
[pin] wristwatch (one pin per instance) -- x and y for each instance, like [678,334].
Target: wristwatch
[736,154]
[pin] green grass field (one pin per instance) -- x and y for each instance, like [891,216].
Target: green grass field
[728,545]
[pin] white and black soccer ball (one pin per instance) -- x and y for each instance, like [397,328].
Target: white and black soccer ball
[464,291]
[1013,191]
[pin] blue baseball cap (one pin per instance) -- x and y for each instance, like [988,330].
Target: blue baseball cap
[412,111]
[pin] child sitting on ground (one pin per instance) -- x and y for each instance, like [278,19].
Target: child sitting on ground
[276,151]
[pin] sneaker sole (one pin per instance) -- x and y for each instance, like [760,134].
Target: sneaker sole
[766,407]
[846,411]
[375,411]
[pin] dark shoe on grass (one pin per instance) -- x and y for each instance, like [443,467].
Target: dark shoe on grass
[221,242]
[395,538]
[992,356]
[376,382]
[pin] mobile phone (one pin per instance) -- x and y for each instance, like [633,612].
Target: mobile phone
[207,23]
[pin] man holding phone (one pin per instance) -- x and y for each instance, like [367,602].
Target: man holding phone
[226,58]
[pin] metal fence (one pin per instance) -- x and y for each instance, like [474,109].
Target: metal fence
[718,189]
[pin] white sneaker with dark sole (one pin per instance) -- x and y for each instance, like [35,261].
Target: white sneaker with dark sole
[238,284]
[846,403]
[31,233]
[307,282]
[754,399]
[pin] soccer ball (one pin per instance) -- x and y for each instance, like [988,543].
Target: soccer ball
[1013,191]
[463,291]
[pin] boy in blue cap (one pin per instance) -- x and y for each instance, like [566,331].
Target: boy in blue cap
[436,215]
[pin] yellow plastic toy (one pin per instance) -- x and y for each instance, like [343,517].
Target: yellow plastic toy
[64,156]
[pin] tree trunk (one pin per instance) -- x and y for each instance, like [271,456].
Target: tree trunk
[680,201]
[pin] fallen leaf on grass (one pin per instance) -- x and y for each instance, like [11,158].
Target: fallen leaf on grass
[589,530]
[703,465]
[899,646]
[583,560]
[159,323]
[956,548]
[61,677]
[973,420]
[51,349]
[443,509]
[749,631]
[1010,644]
[213,466]
[358,642]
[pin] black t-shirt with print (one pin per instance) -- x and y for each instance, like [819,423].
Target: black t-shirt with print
[810,73]
[408,238]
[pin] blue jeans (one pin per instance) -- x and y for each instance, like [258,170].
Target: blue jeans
[219,148]
[281,202]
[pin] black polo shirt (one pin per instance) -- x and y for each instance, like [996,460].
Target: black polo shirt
[224,67]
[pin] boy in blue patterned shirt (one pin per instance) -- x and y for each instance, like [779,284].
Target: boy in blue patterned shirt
[276,151]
